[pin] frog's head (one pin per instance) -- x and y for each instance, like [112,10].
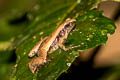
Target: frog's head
[69,20]
[67,27]
[69,24]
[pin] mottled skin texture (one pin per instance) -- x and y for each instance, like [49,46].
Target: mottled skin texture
[49,44]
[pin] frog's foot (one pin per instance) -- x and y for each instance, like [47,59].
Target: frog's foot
[64,48]
[36,63]
[69,48]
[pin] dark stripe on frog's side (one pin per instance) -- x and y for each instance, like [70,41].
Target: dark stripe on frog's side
[67,29]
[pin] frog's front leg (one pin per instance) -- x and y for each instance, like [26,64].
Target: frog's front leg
[61,42]
[63,47]
[34,50]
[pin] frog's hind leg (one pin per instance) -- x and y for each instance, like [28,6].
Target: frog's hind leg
[35,64]
[42,53]
[34,50]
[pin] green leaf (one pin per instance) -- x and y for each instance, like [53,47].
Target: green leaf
[91,30]
[5,65]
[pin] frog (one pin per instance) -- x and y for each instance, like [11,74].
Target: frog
[49,44]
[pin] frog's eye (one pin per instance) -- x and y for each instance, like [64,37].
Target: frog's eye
[67,25]
[72,23]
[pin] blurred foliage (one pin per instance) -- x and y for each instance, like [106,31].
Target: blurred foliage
[27,28]
[112,74]
[13,8]
[6,64]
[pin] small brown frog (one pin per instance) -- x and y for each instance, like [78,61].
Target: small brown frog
[49,44]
